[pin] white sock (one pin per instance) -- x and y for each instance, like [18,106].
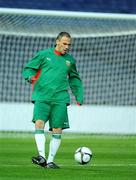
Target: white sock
[54,146]
[40,142]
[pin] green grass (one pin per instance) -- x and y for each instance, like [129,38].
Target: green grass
[114,158]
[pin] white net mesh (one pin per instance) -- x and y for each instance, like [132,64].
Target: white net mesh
[105,50]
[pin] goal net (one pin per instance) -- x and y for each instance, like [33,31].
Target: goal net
[104,46]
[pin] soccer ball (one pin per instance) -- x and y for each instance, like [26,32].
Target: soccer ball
[83,155]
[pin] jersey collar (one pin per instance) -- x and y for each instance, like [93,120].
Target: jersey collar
[57,52]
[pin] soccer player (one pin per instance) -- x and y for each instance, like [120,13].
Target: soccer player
[51,72]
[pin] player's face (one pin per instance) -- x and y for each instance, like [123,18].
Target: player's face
[63,44]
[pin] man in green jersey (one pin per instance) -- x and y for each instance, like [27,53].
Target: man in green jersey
[51,72]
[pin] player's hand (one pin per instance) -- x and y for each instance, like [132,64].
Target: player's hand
[32,79]
[78,104]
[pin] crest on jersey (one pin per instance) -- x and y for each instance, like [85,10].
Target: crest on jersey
[68,63]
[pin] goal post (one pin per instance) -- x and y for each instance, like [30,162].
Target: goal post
[104,46]
[16,21]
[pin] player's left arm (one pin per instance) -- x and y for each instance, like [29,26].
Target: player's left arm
[76,84]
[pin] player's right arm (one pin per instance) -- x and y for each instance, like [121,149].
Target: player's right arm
[32,67]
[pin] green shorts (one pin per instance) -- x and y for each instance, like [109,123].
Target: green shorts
[56,113]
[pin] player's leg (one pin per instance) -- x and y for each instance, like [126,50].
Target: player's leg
[58,121]
[40,142]
[53,147]
[40,137]
[41,113]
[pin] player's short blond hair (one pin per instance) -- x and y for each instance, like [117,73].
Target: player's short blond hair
[62,34]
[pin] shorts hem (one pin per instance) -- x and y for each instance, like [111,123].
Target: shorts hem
[50,129]
[34,120]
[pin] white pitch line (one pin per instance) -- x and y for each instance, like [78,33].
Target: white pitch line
[88,165]
[113,165]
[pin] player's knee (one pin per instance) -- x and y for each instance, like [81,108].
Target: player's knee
[57,130]
[39,124]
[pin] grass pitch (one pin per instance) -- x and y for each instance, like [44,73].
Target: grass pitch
[114,158]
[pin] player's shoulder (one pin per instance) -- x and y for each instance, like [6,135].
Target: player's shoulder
[43,53]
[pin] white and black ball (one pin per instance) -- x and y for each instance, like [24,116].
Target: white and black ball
[83,155]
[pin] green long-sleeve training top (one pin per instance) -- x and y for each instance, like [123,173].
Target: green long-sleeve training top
[57,74]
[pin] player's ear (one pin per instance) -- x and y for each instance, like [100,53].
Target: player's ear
[57,41]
